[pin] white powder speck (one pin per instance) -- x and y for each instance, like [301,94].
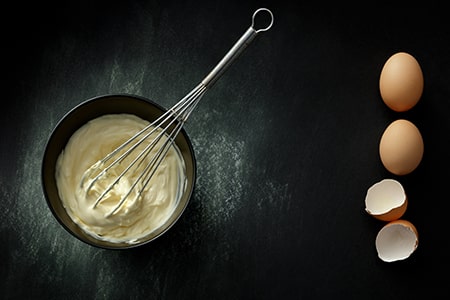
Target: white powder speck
[221,183]
[127,79]
[276,195]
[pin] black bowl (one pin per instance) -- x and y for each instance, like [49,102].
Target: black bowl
[77,117]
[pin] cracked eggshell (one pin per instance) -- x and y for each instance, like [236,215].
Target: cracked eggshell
[396,240]
[386,200]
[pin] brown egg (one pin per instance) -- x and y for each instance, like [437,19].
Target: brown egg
[401,82]
[401,147]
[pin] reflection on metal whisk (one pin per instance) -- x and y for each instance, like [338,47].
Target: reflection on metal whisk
[166,128]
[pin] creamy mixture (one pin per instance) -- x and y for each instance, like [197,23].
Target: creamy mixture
[140,214]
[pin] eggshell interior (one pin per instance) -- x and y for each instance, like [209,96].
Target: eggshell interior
[386,200]
[397,240]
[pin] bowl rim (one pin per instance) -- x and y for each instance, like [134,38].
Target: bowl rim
[96,242]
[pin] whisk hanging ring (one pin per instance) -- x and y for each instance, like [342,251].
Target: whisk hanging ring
[254,17]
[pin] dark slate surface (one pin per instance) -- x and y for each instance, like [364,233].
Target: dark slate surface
[286,144]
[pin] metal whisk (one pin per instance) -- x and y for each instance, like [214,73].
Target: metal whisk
[165,129]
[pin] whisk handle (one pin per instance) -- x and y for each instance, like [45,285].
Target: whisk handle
[236,50]
[230,57]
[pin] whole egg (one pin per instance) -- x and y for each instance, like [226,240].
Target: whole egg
[401,147]
[401,82]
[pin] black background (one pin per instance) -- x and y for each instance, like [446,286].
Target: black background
[286,144]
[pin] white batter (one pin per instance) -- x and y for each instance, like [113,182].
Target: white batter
[138,216]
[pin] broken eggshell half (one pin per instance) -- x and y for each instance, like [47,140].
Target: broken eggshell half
[397,240]
[386,200]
